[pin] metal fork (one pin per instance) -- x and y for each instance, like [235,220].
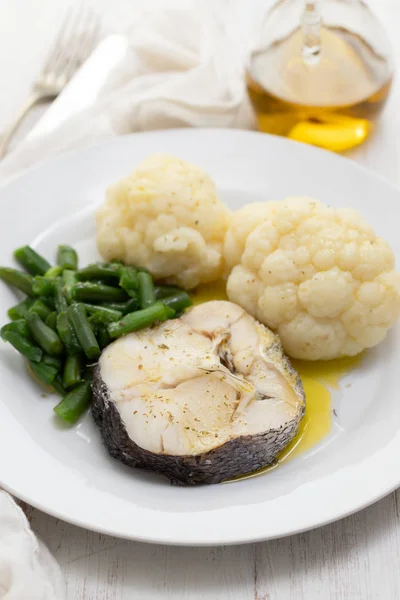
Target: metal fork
[75,41]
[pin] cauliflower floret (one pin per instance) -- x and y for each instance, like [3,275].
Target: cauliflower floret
[318,276]
[242,223]
[165,217]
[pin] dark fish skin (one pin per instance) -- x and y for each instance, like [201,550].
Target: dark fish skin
[237,457]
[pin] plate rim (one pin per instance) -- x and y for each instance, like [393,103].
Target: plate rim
[59,157]
[193,543]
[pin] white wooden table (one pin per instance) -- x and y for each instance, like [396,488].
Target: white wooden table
[357,557]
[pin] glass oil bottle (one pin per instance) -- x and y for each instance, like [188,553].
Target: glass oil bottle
[321,72]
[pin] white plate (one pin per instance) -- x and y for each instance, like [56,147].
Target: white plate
[67,473]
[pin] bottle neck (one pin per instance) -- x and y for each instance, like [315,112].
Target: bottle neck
[311,24]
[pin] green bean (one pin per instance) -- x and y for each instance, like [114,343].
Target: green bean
[20,326]
[47,339]
[97,319]
[67,257]
[23,345]
[72,371]
[67,334]
[51,320]
[146,289]
[124,307]
[44,286]
[99,272]
[178,301]
[19,310]
[84,331]
[74,404]
[97,292]
[69,278]
[119,306]
[46,373]
[102,336]
[129,280]
[170,313]
[88,373]
[132,304]
[48,301]
[19,279]
[52,361]
[41,309]
[31,260]
[163,291]
[101,314]
[58,385]
[53,272]
[139,320]
[59,298]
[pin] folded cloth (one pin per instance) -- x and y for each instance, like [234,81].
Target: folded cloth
[184,67]
[27,569]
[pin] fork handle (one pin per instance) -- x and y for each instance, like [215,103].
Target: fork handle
[13,127]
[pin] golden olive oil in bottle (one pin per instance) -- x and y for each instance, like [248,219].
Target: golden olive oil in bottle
[320,84]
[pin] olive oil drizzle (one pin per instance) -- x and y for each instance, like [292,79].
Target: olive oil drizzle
[318,379]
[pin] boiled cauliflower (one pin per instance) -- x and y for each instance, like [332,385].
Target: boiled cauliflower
[166,217]
[242,223]
[318,276]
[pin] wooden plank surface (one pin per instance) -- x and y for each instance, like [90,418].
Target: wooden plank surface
[355,558]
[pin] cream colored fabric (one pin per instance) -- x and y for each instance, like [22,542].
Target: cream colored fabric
[183,68]
[27,569]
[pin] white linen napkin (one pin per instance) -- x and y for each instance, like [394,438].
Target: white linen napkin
[27,569]
[182,68]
